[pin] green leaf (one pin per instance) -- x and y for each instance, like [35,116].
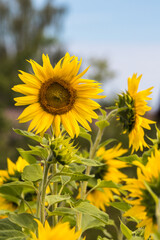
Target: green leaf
[62,211]
[76,168]
[10,231]
[14,189]
[52,199]
[89,162]
[32,173]
[89,222]
[12,235]
[31,135]
[27,156]
[130,159]
[105,143]
[75,176]
[102,124]
[83,133]
[39,151]
[107,184]
[126,231]
[4,212]
[122,206]
[24,220]
[89,209]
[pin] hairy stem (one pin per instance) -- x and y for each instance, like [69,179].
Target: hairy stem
[43,192]
[54,192]
[88,169]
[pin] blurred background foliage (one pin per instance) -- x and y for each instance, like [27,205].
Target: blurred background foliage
[26,32]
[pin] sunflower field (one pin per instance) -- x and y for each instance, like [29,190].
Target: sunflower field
[58,190]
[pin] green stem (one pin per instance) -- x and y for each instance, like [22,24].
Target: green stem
[92,153]
[38,201]
[43,193]
[88,169]
[54,192]
[158,215]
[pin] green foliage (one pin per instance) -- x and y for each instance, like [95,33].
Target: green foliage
[32,173]
[87,208]
[11,231]
[126,231]
[24,220]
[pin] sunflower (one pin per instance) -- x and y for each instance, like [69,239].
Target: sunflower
[59,232]
[57,95]
[13,173]
[108,172]
[141,192]
[132,117]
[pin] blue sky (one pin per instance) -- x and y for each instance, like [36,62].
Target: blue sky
[125,32]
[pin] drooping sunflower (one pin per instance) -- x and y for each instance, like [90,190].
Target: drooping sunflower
[140,193]
[108,172]
[13,173]
[57,95]
[60,232]
[131,117]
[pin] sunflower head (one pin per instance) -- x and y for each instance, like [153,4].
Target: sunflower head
[60,231]
[131,108]
[109,171]
[57,96]
[127,115]
[13,173]
[143,193]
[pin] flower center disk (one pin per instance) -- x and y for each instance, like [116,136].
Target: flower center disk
[56,96]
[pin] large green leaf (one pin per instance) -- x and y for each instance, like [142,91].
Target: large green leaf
[27,156]
[52,199]
[89,209]
[89,222]
[14,189]
[89,162]
[107,184]
[12,235]
[75,176]
[31,135]
[130,159]
[62,211]
[122,206]
[32,173]
[24,220]
[10,231]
